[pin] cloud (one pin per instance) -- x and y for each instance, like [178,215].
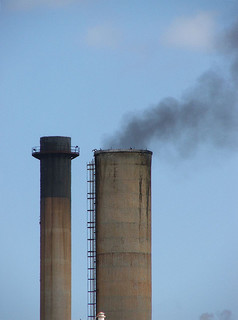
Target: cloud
[25,5]
[103,36]
[195,32]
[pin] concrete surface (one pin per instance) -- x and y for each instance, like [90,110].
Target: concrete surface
[123,230]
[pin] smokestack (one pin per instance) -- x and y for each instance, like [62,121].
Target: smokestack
[55,155]
[123,233]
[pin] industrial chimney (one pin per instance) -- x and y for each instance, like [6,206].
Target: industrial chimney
[123,233]
[55,155]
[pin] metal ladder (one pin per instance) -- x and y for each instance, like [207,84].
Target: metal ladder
[91,227]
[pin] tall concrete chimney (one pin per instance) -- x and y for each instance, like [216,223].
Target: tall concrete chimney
[123,233]
[55,155]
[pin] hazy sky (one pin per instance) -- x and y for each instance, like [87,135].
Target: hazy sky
[86,69]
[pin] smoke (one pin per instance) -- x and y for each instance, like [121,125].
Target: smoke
[207,316]
[224,315]
[231,48]
[206,114]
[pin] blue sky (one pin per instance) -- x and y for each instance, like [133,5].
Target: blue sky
[81,69]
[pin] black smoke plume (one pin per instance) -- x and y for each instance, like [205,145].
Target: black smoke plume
[207,113]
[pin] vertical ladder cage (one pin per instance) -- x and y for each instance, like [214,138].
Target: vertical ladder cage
[91,233]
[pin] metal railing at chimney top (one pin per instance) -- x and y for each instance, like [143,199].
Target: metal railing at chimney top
[91,227]
[72,150]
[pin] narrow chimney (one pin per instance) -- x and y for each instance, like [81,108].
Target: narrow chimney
[55,154]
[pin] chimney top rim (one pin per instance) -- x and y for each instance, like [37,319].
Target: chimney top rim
[96,152]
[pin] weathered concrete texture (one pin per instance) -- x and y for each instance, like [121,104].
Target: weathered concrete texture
[55,283]
[123,207]
[55,246]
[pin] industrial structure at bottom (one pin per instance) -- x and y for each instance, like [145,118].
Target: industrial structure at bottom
[119,231]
